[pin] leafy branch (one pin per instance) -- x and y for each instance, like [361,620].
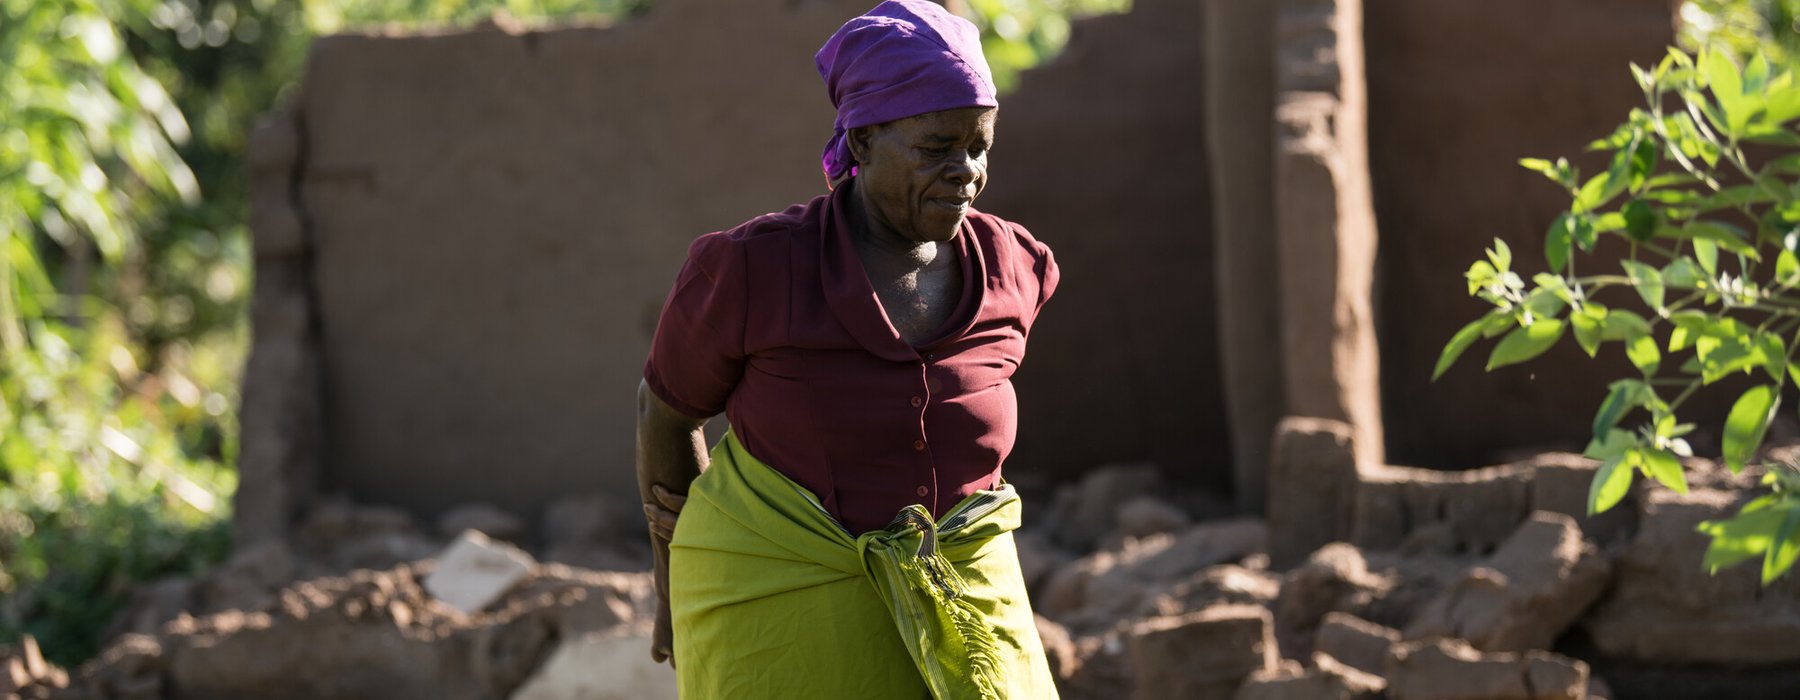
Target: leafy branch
[1713,260]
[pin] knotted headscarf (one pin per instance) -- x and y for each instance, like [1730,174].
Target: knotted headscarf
[903,58]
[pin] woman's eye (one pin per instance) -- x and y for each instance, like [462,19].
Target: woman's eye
[936,152]
[977,152]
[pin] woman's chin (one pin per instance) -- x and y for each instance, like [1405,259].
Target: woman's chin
[940,229]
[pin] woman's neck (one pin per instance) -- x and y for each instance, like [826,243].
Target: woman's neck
[880,240]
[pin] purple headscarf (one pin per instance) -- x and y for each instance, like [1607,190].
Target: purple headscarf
[903,58]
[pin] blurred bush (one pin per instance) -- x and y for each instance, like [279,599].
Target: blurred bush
[1747,27]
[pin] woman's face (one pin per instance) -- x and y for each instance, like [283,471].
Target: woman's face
[919,175]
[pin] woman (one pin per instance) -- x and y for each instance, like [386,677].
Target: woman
[850,536]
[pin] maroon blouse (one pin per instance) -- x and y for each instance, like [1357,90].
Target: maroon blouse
[776,324]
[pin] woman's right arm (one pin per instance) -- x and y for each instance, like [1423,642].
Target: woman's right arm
[671,451]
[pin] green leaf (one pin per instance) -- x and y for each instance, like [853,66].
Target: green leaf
[1546,302]
[1621,397]
[1721,235]
[1547,169]
[1736,196]
[1643,353]
[1773,137]
[1582,230]
[1665,468]
[1588,323]
[1783,548]
[1497,322]
[1500,255]
[1722,349]
[1742,537]
[1756,74]
[1783,102]
[1623,325]
[1619,138]
[1682,273]
[1613,480]
[1746,424]
[1774,354]
[1643,162]
[1640,220]
[1647,281]
[1727,86]
[1481,274]
[1458,343]
[1787,165]
[1706,253]
[1597,191]
[1525,343]
[1787,269]
[1557,243]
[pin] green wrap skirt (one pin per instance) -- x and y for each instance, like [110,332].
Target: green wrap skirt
[772,598]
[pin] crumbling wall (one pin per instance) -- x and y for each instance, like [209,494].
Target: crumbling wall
[1458,92]
[1101,153]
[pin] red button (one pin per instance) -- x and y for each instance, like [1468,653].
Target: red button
[919,445]
[917,402]
[923,491]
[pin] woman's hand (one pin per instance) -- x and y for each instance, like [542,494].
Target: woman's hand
[662,516]
[671,451]
[663,513]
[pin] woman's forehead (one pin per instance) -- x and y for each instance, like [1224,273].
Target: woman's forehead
[950,124]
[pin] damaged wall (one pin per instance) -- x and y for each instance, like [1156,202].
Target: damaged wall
[494,218]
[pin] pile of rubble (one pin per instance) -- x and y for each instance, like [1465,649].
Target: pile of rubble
[1406,584]
[366,601]
[1402,584]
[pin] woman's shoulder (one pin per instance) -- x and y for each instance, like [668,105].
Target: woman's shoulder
[766,232]
[1010,241]
[795,219]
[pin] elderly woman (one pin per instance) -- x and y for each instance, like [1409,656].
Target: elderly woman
[850,537]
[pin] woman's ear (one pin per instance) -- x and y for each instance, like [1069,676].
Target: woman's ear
[859,140]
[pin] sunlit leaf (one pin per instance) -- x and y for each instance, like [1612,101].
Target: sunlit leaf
[1525,343]
[1647,280]
[1500,255]
[1706,253]
[1643,354]
[1458,343]
[1683,273]
[1613,481]
[1588,323]
[1784,547]
[1746,424]
[1665,468]
[1621,397]
[1558,242]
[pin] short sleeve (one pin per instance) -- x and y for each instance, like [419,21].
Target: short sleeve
[697,354]
[1037,264]
[1048,275]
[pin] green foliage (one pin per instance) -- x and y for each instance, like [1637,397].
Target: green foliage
[1711,237]
[1746,27]
[110,447]
[1019,34]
